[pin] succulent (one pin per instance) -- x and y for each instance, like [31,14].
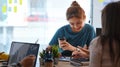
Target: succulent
[42,54]
[55,51]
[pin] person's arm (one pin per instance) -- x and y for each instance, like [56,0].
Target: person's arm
[59,33]
[81,52]
[84,49]
[66,46]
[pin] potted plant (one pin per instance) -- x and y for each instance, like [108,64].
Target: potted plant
[56,53]
[41,59]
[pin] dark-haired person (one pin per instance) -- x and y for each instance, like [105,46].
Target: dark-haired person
[76,33]
[105,49]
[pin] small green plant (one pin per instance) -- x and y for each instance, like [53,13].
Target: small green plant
[42,54]
[55,51]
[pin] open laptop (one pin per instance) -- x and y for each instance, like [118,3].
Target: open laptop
[98,31]
[19,50]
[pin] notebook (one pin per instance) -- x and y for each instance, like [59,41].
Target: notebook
[19,50]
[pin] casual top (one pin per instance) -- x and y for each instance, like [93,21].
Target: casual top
[74,38]
[100,57]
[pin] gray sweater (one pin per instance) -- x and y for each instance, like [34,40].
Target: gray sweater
[100,57]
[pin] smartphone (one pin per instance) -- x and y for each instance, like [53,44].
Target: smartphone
[62,38]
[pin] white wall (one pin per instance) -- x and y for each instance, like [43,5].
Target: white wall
[97,7]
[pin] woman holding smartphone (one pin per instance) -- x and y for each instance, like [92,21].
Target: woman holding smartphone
[76,33]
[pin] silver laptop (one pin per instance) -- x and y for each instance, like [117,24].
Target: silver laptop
[19,50]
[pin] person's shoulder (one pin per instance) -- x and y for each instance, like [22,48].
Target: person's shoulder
[88,26]
[95,39]
[95,43]
[95,48]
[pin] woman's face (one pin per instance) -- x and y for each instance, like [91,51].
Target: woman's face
[76,24]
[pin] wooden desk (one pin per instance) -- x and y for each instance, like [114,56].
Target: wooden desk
[67,64]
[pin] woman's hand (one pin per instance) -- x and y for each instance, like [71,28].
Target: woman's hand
[82,53]
[85,49]
[28,61]
[66,46]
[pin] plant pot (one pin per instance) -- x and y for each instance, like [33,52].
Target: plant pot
[48,64]
[56,60]
[42,62]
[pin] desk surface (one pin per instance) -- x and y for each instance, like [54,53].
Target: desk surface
[67,64]
[64,64]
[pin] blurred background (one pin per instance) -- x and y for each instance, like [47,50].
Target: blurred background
[31,20]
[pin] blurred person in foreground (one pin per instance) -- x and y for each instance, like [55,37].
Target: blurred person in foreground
[105,49]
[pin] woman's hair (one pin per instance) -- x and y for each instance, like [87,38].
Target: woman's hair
[75,10]
[111,29]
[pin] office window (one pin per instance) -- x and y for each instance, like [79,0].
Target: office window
[40,20]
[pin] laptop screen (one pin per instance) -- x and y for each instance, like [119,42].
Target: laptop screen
[98,31]
[19,50]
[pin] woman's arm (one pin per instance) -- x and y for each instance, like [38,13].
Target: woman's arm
[66,46]
[81,52]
